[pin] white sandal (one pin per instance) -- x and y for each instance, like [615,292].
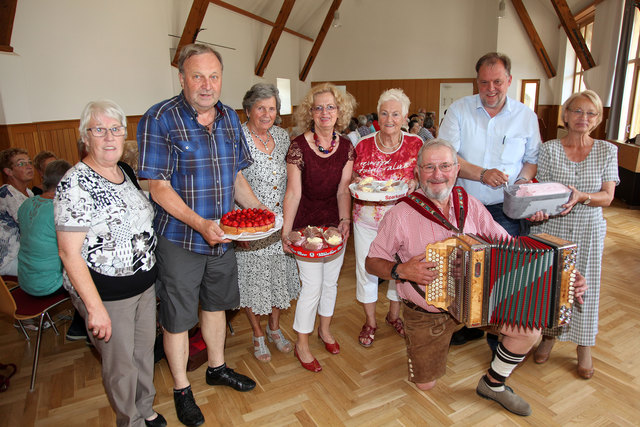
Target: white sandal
[282,344]
[260,349]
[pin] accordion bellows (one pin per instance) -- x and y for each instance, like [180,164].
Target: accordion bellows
[522,281]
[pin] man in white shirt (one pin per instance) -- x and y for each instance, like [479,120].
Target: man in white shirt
[497,137]
[497,140]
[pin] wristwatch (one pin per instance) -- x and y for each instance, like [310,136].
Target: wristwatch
[586,202]
[394,273]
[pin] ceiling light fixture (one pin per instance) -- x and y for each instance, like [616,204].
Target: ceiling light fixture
[501,9]
[336,20]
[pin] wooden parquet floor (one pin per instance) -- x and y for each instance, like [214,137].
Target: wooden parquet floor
[363,386]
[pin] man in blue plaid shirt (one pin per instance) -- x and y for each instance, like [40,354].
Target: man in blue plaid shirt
[192,151]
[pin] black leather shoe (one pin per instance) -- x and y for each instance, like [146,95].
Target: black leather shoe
[188,412]
[158,421]
[226,376]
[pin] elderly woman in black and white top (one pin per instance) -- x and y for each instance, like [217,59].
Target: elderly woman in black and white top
[106,243]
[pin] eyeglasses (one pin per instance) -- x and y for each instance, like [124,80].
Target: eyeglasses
[23,163]
[115,131]
[320,108]
[443,167]
[496,83]
[580,113]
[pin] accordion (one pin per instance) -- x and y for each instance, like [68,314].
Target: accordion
[523,281]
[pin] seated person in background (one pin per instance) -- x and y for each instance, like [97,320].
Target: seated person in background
[363,127]
[39,266]
[421,131]
[352,133]
[424,134]
[374,121]
[40,162]
[414,127]
[18,173]
[430,126]
[404,232]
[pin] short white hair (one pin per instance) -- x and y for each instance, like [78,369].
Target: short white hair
[106,107]
[395,95]
[437,142]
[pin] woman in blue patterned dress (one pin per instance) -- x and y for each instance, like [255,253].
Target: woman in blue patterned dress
[267,277]
[590,168]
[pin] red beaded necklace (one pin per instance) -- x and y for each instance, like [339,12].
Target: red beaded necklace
[320,147]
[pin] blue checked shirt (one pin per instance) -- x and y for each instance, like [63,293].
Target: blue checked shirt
[201,166]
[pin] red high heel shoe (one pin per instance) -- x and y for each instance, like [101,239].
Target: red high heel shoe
[313,366]
[331,348]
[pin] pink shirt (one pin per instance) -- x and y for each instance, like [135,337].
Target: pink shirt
[370,161]
[406,232]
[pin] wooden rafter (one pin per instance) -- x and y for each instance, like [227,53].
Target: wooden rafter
[192,26]
[319,40]
[276,31]
[534,38]
[7,14]
[257,18]
[573,33]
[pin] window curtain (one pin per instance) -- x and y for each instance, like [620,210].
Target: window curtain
[626,33]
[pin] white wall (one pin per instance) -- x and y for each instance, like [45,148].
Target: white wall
[514,41]
[68,52]
[409,39]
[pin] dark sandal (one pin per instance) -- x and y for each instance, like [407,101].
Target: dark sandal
[367,335]
[397,324]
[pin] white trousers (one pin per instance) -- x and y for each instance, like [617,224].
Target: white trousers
[319,278]
[367,284]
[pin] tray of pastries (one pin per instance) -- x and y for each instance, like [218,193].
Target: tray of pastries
[368,189]
[316,242]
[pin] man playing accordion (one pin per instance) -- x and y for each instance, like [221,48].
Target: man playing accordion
[398,252]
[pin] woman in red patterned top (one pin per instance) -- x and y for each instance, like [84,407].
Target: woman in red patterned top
[389,154]
[319,168]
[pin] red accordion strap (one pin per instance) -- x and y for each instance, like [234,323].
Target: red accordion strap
[430,211]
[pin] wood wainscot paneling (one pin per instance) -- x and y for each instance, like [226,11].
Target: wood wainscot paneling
[423,93]
[548,121]
[60,137]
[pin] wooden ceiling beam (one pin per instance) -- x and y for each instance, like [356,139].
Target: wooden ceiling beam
[534,38]
[192,26]
[319,40]
[573,33]
[7,15]
[257,18]
[276,31]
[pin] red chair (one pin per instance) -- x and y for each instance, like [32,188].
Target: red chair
[19,305]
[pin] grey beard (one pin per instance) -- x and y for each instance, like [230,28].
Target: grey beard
[443,195]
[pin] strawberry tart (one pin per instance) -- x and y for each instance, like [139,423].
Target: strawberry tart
[247,221]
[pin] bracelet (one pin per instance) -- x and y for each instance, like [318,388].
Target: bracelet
[345,219]
[520,178]
[482,175]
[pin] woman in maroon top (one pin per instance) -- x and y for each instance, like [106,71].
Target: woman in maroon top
[319,167]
